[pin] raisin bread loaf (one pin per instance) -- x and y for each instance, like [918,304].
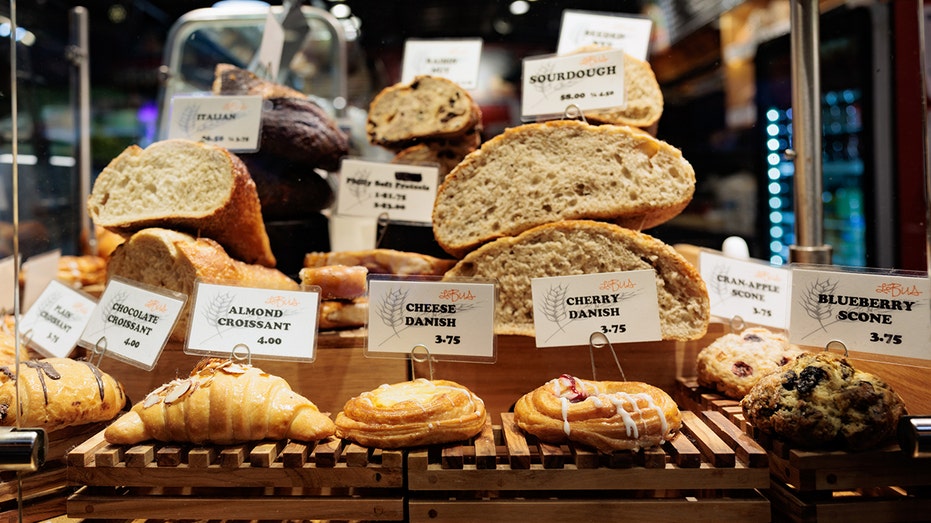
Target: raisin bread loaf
[427,107]
[183,185]
[574,247]
[173,260]
[560,170]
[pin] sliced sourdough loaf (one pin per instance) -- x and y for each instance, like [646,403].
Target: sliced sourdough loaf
[574,247]
[643,96]
[183,185]
[427,107]
[560,170]
[174,260]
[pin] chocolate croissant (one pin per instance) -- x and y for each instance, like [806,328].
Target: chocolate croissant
[55,393]
[222,402]
[412,413]
[606,415]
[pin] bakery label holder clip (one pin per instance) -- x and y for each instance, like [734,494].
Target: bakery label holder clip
[598,340]
[421,354]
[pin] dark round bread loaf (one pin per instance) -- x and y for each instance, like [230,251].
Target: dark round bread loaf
[287,189]
[299,130]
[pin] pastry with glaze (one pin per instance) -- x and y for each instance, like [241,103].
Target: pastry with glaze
[606,415]
[412,413]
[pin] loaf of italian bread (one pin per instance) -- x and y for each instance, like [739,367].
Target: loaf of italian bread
[174,260]
[574,247]
[183,185]
[560,170]
[427,107]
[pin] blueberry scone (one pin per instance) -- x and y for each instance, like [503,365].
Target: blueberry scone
[733,363]
[820,401]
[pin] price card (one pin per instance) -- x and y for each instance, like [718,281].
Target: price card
[403,192]
[882,312]
[55,322]
[233,122]
[456,60]
[132,322]
[751,290]
[630,34]
[586,80]
[454,320]
[7,282]
[268,57]
[269,323]
[621,305]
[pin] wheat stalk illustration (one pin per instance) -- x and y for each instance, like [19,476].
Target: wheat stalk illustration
[187,120]
[390,310]
[216,309]
[719,287]
[813,307]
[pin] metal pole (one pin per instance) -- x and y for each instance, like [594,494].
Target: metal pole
[79,55]
[806,135]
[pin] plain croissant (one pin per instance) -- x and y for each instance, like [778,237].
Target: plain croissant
[58,392]
[222,402]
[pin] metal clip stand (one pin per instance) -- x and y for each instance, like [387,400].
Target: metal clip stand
[602,342]
[419,354]
[381,228]
[837,346]
[737,324]
[96,355]
[806,135]
[241,353]
[574,112]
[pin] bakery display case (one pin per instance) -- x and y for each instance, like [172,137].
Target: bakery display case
[706,416]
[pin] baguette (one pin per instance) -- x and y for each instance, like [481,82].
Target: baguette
[560,170]
[583,247]
[184,185]
[55,393]
[174,260]
[222,402]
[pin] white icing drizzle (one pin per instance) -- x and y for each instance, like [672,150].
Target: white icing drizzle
[565,415]
[597,401]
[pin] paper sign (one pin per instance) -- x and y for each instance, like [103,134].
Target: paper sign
[753,291]
[405,193]
[455,60]
[621,305]
[268,57]
[454,320]
[55,322]
[266,323]
[587,81]
[628,33]
[880,313]
[233,122]
[132,323]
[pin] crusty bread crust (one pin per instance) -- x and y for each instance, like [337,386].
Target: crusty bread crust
[175,261]
[585,247]
[184,185]
[643,96]
[560,170]
[427,107]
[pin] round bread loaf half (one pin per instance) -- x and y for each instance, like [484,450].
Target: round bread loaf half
[560,170]
[586,247]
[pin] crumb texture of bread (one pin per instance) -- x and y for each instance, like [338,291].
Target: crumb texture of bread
[184,185]
[427,107]
[576,247]
[643,95]
[560,170]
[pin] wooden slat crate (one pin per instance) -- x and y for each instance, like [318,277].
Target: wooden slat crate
[881,485]
[44,491]
[711,471]
[268,480]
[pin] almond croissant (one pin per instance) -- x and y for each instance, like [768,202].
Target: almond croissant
[58,392]
[222,402]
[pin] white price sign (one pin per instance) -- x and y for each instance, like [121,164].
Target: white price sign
[623,306]
[454,320]
[630,34]
[132,323]
[880,313]
[751,290]
[232,122]
[266,323]
[55,322]
[455,60]
[405,193]
[586,80]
